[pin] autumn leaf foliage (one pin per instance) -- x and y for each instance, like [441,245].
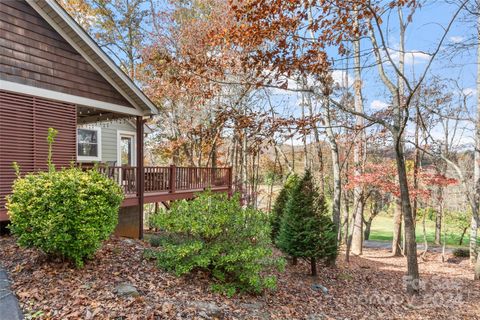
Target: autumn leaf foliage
[292,38]
[383,177]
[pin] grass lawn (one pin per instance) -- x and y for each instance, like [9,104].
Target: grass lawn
[382,230]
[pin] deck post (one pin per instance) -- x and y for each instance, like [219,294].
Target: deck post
[230,181]
[140,174]
[173,178]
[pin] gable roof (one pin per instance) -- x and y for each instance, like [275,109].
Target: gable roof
[74,34]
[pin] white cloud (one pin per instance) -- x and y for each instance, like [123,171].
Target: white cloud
[341,78]
[469,91]
[411,57]
[378,105]
[457,39]
[416,57]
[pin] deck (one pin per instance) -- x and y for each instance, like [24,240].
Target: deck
[162,184]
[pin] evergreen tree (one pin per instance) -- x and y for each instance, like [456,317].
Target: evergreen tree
[306,230]
[278,209]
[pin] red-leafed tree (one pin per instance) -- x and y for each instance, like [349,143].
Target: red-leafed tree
[380,180]
[383,177]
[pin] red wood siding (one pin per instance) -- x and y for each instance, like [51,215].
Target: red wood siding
[33,53]
[24,123]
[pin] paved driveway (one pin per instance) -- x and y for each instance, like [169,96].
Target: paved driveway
[9,308]
[388,245]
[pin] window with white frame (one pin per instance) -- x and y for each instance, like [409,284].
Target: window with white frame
[89,144]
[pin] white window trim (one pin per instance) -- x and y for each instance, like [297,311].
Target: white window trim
[133,135]
[99,145]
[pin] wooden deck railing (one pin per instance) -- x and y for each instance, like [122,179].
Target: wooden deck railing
[170,179]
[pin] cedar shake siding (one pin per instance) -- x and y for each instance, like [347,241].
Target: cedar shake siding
[34,54]
[24,123]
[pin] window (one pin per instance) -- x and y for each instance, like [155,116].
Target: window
[89,144]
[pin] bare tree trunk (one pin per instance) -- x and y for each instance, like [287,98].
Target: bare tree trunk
[425,241]
[476,170]
[313,266]
[337,185]
[346,214]
[358,151]
[318,148]
[473,240]
[357,232]
[272,182]
[416,163]
[316,134]
[304,137]
[397,229]
[441,169]
[292,149]
[374,210]
[438,227]
[346,227]
[477,269]
[460,242]
[337,182]
[368,227]
[444,245]
[321,175]
[410,241]
[399,145]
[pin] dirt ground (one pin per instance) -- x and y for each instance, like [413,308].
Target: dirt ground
[369,287]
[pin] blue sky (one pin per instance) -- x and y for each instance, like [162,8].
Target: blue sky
[422,37]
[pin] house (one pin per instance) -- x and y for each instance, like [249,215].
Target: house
[109,142]
[52,74]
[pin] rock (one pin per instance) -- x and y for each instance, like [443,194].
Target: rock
[255,310]
[316,316]
[126,289]
[255,306]
[210,310]
[319,287]
[167,307]
[88,314]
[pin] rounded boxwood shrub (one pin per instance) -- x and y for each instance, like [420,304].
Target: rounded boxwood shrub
[65,213]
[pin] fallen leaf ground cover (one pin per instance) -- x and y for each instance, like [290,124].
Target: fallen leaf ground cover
[369,287]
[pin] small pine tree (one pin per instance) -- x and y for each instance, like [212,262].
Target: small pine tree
[278,209]
[306,230]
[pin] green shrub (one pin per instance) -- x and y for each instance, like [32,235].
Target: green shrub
[155,241]
[306,230]
[216,234]
[278,209]
[461,253]
[158,240]
[66,213]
